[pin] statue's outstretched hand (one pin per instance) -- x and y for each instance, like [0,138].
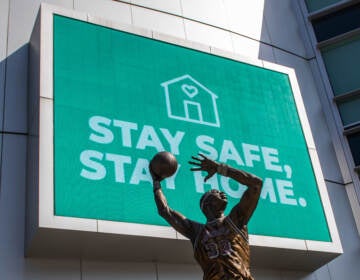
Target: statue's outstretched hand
[204,164]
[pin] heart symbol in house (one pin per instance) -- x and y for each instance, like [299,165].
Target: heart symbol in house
[191,91]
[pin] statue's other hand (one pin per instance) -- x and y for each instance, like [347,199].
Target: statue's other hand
[203,163]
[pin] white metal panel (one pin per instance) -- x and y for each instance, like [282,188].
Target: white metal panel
[208,35]
[109,9]
[248,48]
[119,26]
[172,7]
[4,12]
[157,21]
[4,16]
[247,18]
[46,38]
[46,177]
[277,242]
[136,229]
[209,12]
[237,57]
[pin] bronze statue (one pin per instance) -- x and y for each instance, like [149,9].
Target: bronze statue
[221,246]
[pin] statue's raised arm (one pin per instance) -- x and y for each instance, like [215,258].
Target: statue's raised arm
[178,221]
[242,211]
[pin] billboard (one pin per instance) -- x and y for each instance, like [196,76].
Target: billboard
[119,98]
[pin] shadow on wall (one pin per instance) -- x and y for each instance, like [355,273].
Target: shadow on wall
[13,94]
[13,132]
[13,105]
[283,28]
[13,91]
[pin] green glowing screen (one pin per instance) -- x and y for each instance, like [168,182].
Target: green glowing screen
[120,98]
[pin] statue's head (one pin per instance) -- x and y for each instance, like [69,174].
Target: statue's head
[213,204]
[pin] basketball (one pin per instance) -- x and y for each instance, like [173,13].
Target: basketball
[163,164]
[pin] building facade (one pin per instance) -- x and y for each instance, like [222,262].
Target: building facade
[318,39]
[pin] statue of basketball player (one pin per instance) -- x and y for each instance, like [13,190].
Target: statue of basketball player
[221,246]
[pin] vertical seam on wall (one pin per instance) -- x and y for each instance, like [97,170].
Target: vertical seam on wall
[182,16]
[328,269]
[267,29]
[300,11]
[4,92]
[271,44]
[156,271]
[181,8]
[132,14]
[186,35]
[81,269]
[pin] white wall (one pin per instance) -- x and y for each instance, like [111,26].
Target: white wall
[271,30]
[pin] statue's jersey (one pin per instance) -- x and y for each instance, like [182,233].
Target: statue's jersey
[222,250]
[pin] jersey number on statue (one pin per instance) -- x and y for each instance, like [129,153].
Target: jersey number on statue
[214,250]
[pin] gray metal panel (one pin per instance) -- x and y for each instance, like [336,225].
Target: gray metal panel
[33,137]
[167,271]
[2,90]
[40,269]
[297,275]
[12,199]
[15,106]
[1,140]
[347,265]
[12,207]
[113,271]
[266,53]
[268,274]
[322,273]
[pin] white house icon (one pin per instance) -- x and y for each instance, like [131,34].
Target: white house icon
[188,100]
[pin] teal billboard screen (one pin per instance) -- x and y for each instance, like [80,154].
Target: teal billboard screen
[119,98]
